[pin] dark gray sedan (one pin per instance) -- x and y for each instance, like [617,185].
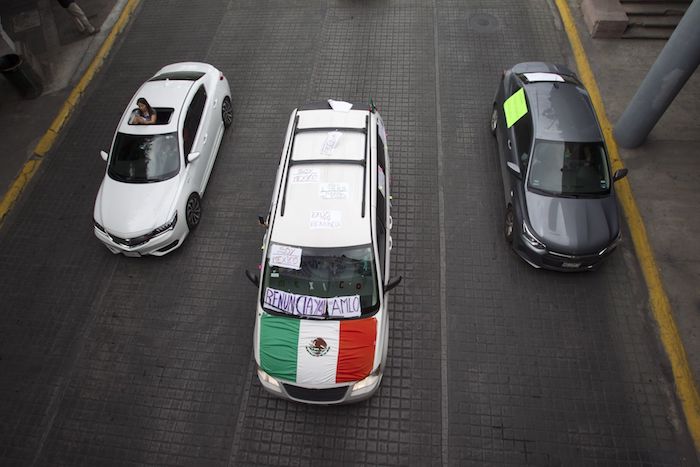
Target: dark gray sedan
[561,210]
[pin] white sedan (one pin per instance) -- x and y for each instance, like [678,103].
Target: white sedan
[150,198]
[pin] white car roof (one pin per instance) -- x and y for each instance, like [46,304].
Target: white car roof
[323,203]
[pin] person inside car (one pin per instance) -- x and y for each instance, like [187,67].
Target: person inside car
[144,115]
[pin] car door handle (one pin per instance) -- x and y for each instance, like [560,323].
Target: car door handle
[216,101]
[509,146]
[204,140]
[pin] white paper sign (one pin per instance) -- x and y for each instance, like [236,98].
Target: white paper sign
[285,256]
[345,307]
[340,106]
[333,191]
[533,77]
[306,305]
[300,305]
[330,143]
[325,220]
[305,175]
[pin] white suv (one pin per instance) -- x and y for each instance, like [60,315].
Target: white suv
[321,327]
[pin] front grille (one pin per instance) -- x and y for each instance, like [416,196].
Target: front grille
[316,395]
[130,241]
[560,260]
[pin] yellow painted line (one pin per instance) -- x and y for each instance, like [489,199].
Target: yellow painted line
[661,308]
[47,140]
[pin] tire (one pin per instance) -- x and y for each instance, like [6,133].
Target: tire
[494,120]
[193,211]
[227,112]
[509,224]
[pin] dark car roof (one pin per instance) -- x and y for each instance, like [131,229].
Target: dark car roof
[562,111]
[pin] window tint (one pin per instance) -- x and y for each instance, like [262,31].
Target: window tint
[522,133]
[569,169]
[381,177]
[323,273]
[381,244]
[144,158]
[192,120]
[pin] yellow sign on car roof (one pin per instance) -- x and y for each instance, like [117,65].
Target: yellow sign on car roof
[515,107]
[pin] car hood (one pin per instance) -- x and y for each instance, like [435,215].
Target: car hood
[317,352]
[129,209]
[574,226]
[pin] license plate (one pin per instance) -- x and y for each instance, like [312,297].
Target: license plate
[571,265]
[131,254]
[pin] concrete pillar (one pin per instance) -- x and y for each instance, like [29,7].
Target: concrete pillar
[674,65]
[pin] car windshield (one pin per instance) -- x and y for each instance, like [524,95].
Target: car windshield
[144,158]
[569,169]
[322,283]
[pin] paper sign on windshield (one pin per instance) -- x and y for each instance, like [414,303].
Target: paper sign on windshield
[345,307]
[515,107]
[293,304]
[306,305]
[340,106]
[333,191]
[325,219]
[285,256]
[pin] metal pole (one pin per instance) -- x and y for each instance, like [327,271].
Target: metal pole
[674,65]
[6,44]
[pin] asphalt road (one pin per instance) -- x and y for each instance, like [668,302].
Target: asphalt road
[113,360]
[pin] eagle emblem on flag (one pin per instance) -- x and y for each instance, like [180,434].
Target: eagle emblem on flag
[318,347]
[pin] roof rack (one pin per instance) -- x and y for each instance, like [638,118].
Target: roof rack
[362,162]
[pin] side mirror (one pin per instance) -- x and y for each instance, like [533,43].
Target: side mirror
[392,284]
[253,278]
[104,155]
[191,157]
[262,221]
[619,174]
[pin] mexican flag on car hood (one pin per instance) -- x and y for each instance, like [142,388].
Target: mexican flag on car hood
[313,352]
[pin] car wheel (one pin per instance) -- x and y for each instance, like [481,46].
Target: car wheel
[193,211]
[494,120]
[509,224]
[227,112]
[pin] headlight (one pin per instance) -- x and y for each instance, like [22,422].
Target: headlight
[531,239]
[165,227]
[368,383]
[140,240]
[265,378]
[99,227]
[612,246]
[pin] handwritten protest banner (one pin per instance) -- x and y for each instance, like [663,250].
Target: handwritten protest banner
[330,143]
[285,256]
[345,307]
[326,219]
[333,191]
[305,175]
[306,305]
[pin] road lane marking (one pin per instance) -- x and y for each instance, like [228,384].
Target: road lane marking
[686,389]
[47,140]
[444,402]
